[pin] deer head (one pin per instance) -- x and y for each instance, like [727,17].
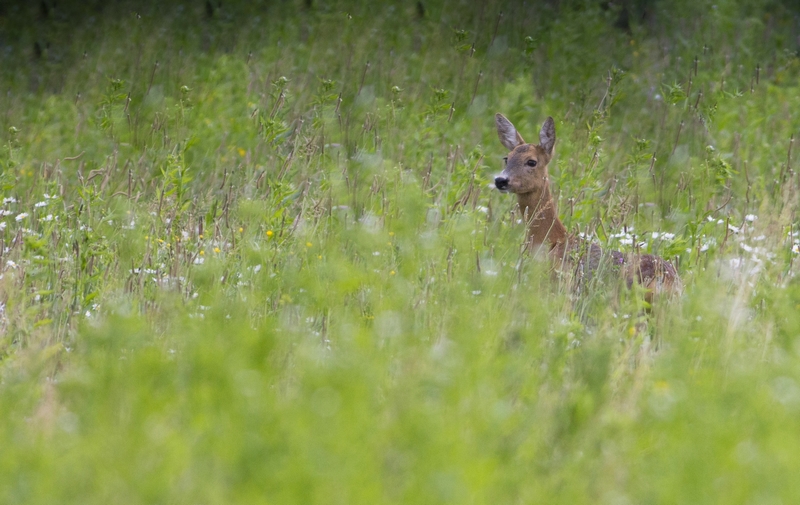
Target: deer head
[525,168]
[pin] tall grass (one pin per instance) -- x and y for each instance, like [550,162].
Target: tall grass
[251,253]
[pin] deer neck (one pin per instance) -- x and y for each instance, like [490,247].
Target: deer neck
[539,209]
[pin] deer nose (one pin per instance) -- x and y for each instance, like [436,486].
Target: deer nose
[501,183]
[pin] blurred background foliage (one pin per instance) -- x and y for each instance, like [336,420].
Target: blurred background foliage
[251,252]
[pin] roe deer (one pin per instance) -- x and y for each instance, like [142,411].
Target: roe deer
[525,174]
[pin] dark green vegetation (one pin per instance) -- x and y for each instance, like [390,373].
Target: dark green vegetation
[252,255]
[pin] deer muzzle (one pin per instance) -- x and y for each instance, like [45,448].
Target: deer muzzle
[501,183]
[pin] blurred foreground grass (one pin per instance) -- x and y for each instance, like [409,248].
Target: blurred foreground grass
[251,254]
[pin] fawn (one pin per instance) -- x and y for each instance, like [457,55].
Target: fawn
[525,174]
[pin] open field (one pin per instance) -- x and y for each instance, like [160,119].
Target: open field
[252,253]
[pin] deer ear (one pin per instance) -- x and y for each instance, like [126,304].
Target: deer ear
[547,137]
[509,136]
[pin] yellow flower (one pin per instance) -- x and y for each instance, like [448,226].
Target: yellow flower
[242,152]
[392,272]
[319,257]
[200,236]
[309,244]
[241,229]
[391,234]
[632,331]
[216,249]
[269,233]
[202,253]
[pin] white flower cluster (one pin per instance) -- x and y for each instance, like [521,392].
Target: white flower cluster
[160,276]
[626,237]
[23,216]
[754,253]
[794,237]
[663,236]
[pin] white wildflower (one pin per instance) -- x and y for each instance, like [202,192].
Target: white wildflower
[750,217]
[40,204]
[10,199]
[21,216]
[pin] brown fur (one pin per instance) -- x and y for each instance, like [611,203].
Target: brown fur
[567,252]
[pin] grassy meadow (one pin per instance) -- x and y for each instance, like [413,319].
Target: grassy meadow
[251,253]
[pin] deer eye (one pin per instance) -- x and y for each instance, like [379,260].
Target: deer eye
[531,163]
[505,160]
